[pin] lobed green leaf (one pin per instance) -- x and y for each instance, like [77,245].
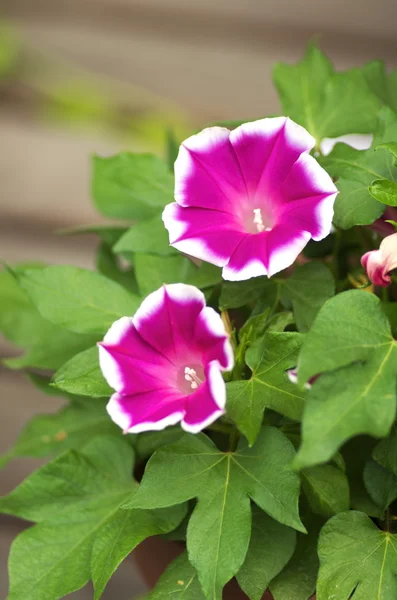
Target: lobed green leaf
[219,529]
[81,533]
[268,387]
[307,289]
[326,103]
[178,581]
[356,559]
[271,547]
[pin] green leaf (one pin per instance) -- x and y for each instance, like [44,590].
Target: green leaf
[391,147]
[268,387]
[82,375]
[280,321]
[389,308]
[350,331]
[255,326]
[219,528]
[326,489]
[148,442]
[307,289]
[149,236]
[356,170]
[381,484]
[385,452]
[109,265]
[326,103]
[153,271]
[76,299]
[106,261]
[384,191]
[81,531]
[131,186]
[121,534]
[172,148]
[375,75]
[47,346]
[297,581]
[204,276]
[383,85]
[236,294]
[348,328]
[355,556]
[178,581]
[72,427]
[271,547]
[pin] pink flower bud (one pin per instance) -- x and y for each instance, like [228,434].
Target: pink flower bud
[378,263]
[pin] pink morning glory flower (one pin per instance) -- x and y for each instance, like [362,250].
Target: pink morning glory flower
[165,363]
[249,200]
[378,263]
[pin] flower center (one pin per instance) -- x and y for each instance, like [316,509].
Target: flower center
[262,223]
[258,220]
[190,377]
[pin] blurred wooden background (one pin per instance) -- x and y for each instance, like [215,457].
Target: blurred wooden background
[211,59]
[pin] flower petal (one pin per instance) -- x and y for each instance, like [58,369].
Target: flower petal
[207,403]
[266,151]
[360,141]
[128,363]
[166,318]
[212,339]
[249,259]
[266,253]
[378,263]
[285,243]
[206,171]
[306,198]
[150,411]
[209,235]
[312,214]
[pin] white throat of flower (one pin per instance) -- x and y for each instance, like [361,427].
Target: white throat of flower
[258,221]
[191,376]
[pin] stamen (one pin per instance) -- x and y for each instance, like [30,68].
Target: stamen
[191,376]
[258,220]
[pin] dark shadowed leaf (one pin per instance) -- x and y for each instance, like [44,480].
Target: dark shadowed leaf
[271,547]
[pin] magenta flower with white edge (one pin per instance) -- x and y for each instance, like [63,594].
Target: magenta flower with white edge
[378,263]
[249,200]
[165,363]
